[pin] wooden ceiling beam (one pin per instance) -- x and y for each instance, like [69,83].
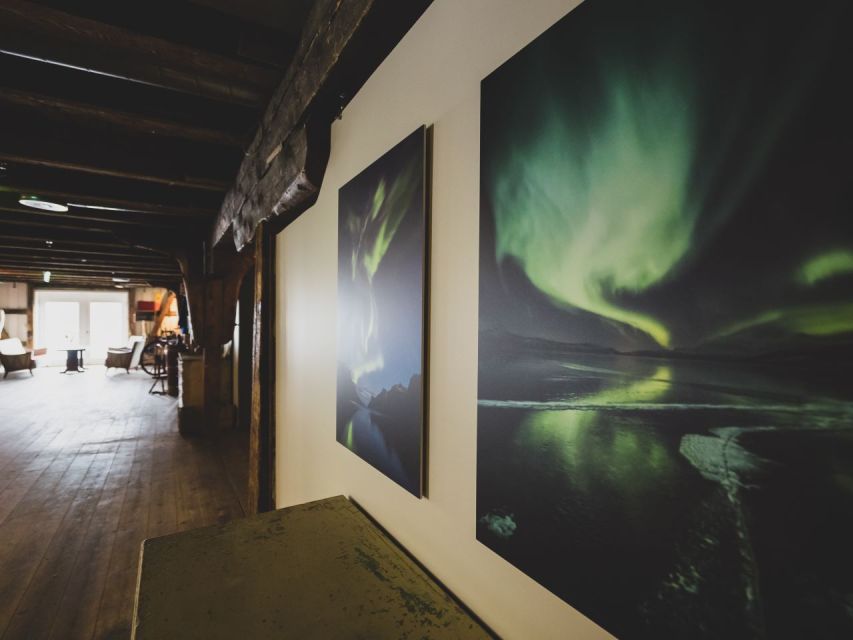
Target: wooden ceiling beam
[37,32]
[281,173]
[51,144]
[92,201]
[82,241]
[38,275]
[81,218]
[24,221]
[119,274]
[86,268]
[123,278]
[94,257]
[98,190]
[114,269]
[65,253]
[129,97]
[90,255]
[109,169]
[100,117]
[60,273]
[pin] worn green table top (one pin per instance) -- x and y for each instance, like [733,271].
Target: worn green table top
[318,570]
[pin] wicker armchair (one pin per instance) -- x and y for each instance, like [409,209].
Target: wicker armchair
[14,357]
[127,357]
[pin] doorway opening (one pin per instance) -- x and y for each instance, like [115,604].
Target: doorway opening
[93,320]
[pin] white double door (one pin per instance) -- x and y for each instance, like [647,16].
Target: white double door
[94,320]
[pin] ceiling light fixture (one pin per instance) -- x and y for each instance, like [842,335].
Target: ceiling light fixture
[46,276]
[103,208]
[121,279]
[34,202]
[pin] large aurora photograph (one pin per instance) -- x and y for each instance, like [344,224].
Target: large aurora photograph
[381,298]
[665,392]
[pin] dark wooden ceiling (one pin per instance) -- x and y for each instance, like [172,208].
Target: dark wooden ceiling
[134,115]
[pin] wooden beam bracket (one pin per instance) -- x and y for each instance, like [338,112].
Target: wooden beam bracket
[280,177]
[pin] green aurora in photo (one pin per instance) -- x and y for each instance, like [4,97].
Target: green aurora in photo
[381,298]
[666,317]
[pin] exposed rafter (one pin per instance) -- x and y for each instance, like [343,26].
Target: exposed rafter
[141,138]
[85,165]
[60,248]
[100,117]
[85,269]
[82,241]
[106,193]
[85,218]
[37,32]
[83,280]
[342,45]
[111,209]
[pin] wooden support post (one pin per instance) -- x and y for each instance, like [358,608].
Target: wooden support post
[262,429]
[213,303]
[31,301]
[212,292]
[244,366]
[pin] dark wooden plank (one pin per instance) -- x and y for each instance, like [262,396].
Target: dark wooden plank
[115,154]
[74,239]
[26,222]
[163,505]
[62,249]
[106,205]
[134,274]
[342,44]
[89,466]
[261,489]
[37,32]
[106,259]
[48,583]
[83,189]
[112,618]
[100,117]
[233,447]
[63,160]
[84,217]
[277,159]
[36,275]
[23,465]
[28,530]
[187,497]
[152,269]
[77,612]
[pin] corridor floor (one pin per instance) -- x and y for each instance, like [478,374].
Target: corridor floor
[90,465]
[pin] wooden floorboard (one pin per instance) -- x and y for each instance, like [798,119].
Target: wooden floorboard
[234,447]
[90,465]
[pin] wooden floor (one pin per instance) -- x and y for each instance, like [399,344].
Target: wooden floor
[90,465]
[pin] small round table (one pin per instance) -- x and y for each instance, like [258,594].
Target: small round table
[74,360]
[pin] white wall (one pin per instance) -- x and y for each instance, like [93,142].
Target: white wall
[13,295]
[432,77]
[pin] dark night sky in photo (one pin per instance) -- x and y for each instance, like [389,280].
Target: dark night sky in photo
[689,165]
[392,186]
[666,316]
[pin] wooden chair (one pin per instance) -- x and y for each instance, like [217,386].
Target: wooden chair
[126,358]
[14,357]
